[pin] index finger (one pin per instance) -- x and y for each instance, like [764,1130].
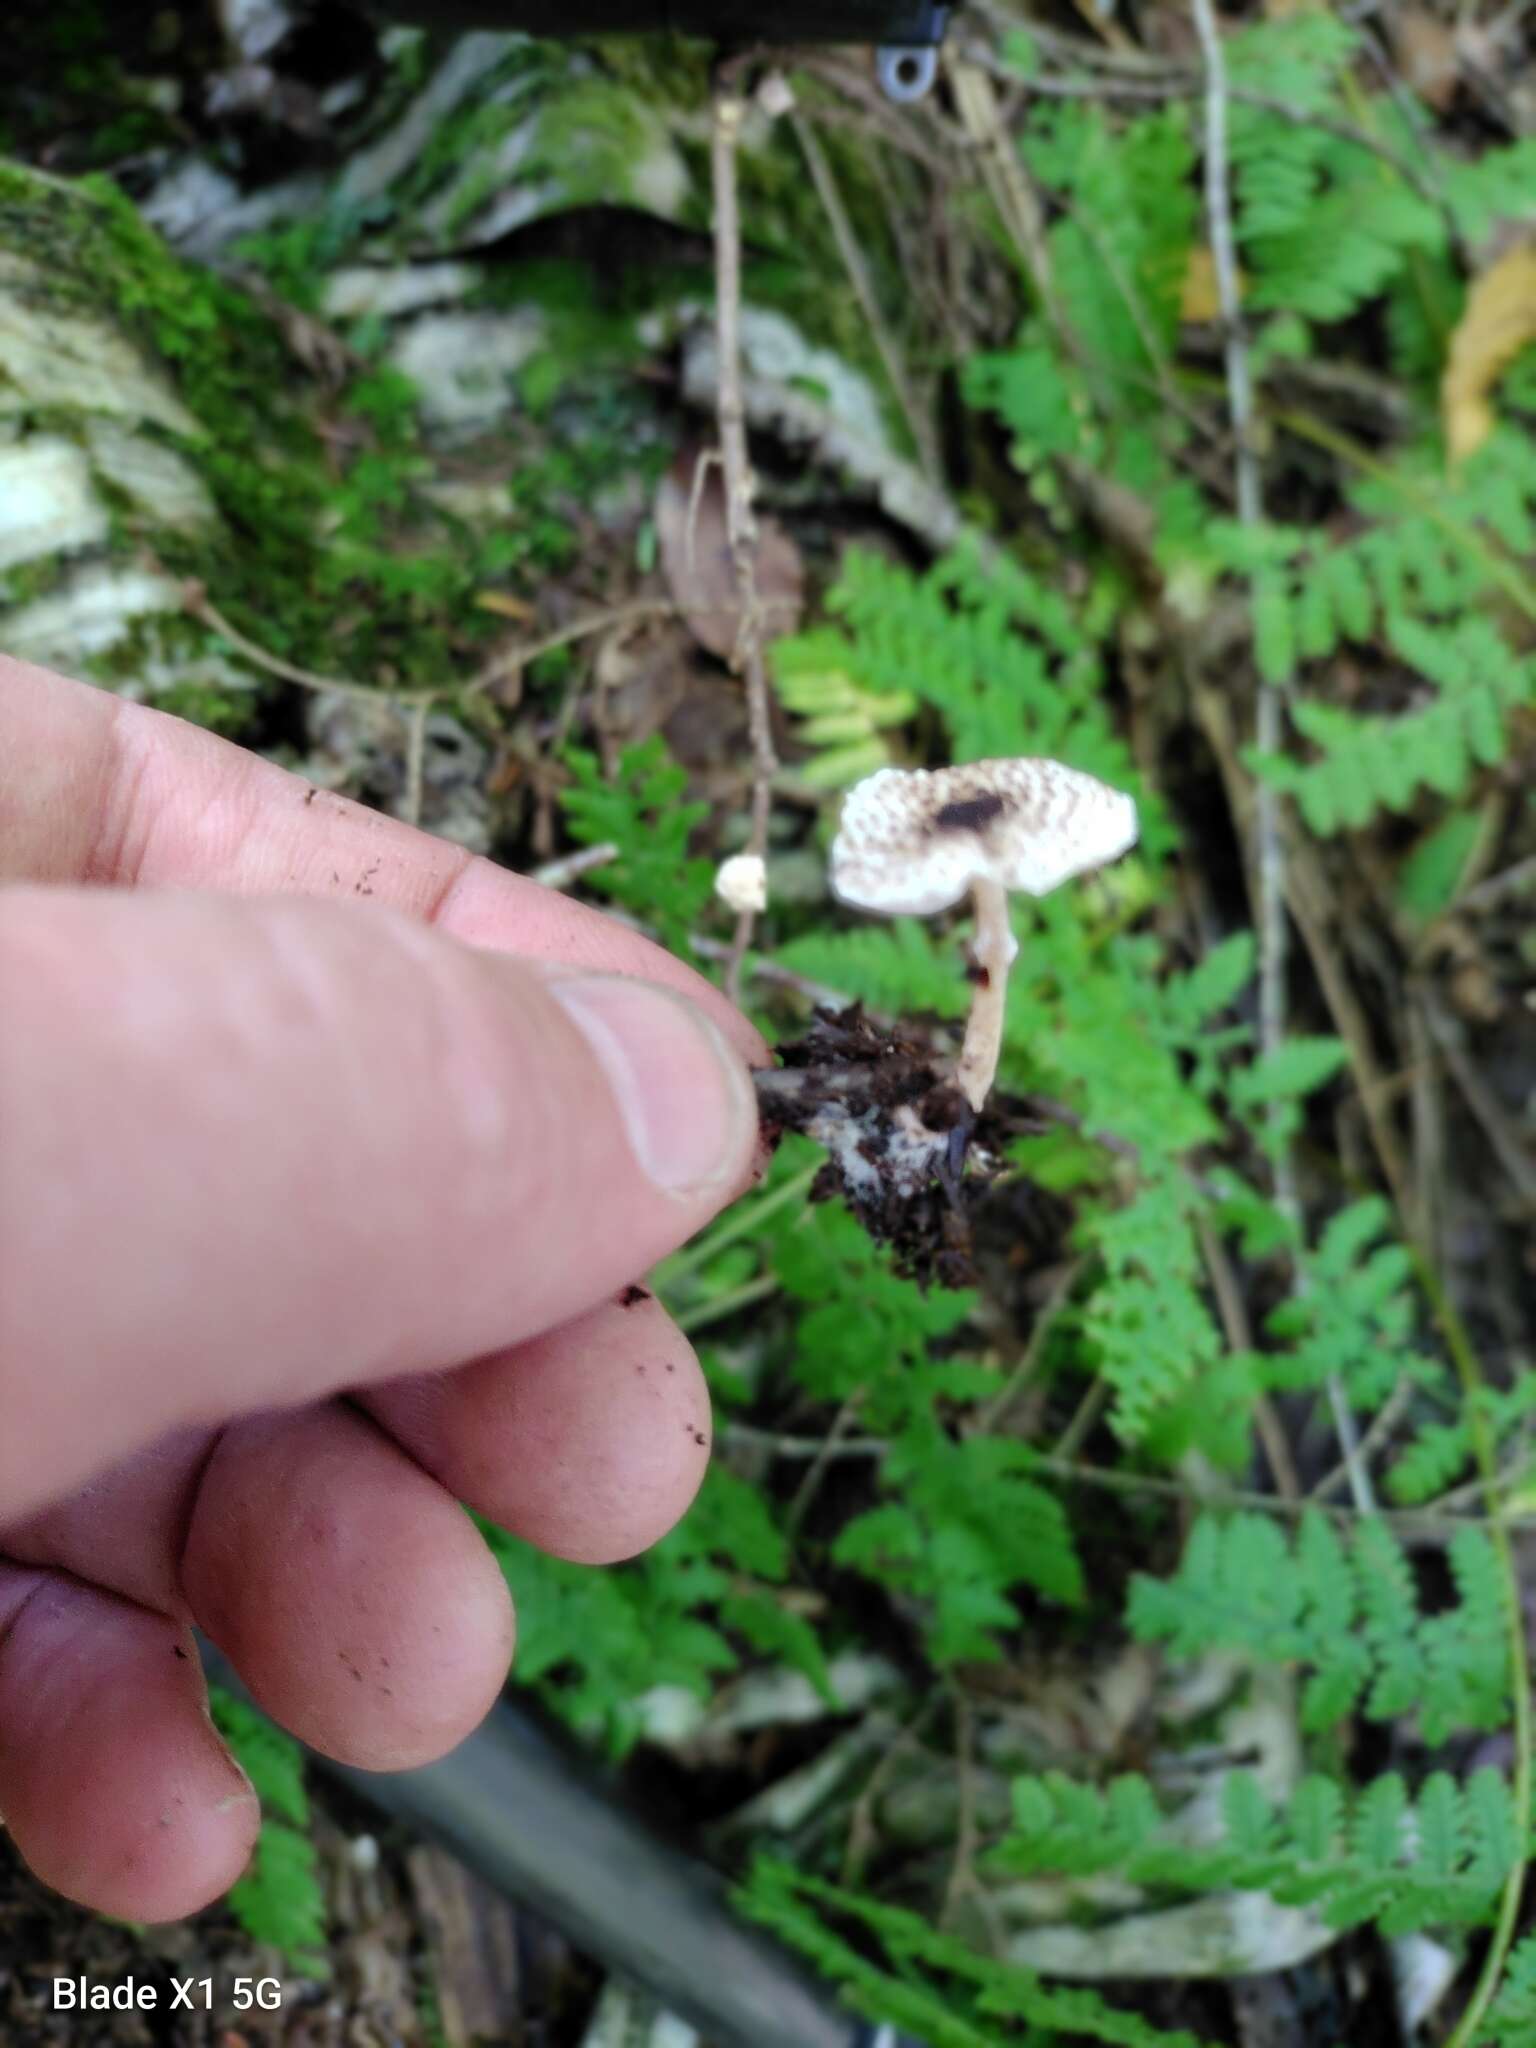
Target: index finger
[94,788]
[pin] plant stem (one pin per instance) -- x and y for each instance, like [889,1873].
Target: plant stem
[740,519]
[1269,850]
[1459,1344]
[993,948]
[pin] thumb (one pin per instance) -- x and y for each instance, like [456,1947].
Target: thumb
[255,1151]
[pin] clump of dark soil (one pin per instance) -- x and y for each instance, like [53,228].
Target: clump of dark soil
[904,1149]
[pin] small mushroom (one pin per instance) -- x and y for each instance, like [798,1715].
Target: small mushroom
[741,882]
[912,841]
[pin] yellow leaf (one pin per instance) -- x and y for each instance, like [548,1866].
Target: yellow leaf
[1199,298]
[508,607]
[1498,320]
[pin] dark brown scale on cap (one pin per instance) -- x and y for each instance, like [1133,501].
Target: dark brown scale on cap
[969,813]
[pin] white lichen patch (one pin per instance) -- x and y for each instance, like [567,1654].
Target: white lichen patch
[463,363]
[162,484]
[87,614]
[47,503]
[389,290]
[61,359]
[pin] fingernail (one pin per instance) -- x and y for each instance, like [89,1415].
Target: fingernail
[689,1110]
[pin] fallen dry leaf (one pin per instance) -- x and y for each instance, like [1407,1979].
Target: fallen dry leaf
[1426,53]
[1199,298]
[696,557]
[1497,321]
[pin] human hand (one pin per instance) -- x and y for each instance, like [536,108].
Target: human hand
[316,1214]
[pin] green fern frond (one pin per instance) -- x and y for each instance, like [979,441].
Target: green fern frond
[1437,1861]
[996,651]
[1295,57]
[968,1524]
[1369,764]
[1440,1452]
[272,1761]
[1346,1612]
[928,1980]
[1511,2021]
[1148,1325]
[279,1898]
[639,812]
[901,968]
[842,721]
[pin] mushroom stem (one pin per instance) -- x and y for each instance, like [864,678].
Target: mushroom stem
[993,949]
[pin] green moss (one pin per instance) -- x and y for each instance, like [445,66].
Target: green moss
[221,711]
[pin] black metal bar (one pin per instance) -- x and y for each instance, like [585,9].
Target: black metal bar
[906,23]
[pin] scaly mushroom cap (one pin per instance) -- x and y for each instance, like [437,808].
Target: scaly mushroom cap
[913,840]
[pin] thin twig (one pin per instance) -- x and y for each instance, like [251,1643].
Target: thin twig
[1383,1422]
[1469,2027]
[413,707]
[1269,847]
[1014,197]
[1239,1335]
[1511,881]
[805,1492]
[1173,85]
[740,520]
[703,1313]
[415,760]
[1413,1525]
[559,874]
[511,659]
[1081,1424]
[201,606]
[993,1418]
[1497,1125]
[918,422]
[861,1832]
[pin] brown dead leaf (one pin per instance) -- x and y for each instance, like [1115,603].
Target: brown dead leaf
[696,557]
[1426,54]
[1497,321]
[1199,298]
[506,606]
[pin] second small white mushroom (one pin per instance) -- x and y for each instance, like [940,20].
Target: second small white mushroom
[913,841]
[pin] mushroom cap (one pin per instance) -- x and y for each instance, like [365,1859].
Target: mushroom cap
[742,882]
[913,840]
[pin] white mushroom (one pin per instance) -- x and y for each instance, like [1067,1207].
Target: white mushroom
[912,841]
[742,882]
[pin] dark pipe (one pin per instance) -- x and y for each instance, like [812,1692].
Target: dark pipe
[906,23]
[520,1813]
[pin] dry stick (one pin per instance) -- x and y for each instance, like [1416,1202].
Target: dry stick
[415,761]
[1412,1525]
[919,424]
[1173,85]
[513,658]
[1445,1313]
[1270,857]
[740,521]
[1006,181]
[805,1492]
[1239,1336]
[993,1419]
[412,706]
[560,874]
[1383,1423]
[1485,1106]
[201,606]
